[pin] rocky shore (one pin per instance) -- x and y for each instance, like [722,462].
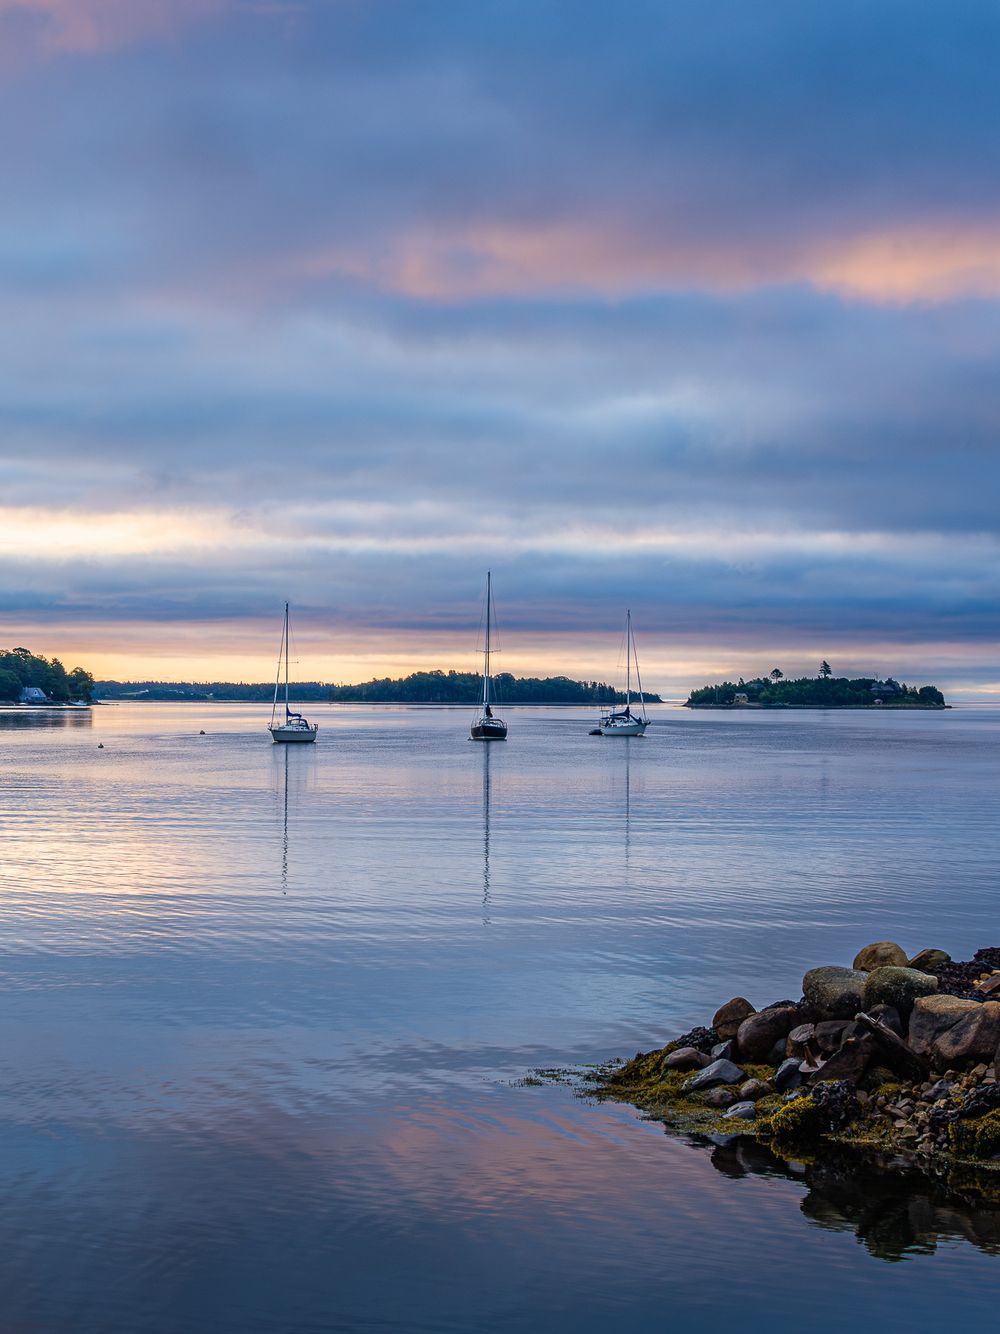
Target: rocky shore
[896,1055]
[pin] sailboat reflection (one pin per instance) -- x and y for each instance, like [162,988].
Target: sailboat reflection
[487,750]
[293,769]
[284,828]
[628,796]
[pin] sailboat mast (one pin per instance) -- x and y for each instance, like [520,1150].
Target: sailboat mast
[628,661]
[486,655]
[286,659]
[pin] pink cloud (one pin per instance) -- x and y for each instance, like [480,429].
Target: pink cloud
[922,260]
[90,26]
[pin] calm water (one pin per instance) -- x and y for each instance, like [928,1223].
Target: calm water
[264,1012]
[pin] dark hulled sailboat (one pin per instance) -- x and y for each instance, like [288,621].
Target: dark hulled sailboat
[487,726]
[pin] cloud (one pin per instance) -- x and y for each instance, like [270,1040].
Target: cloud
[87,27]
[703,305]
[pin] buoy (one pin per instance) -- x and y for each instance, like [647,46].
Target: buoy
[202,732]
[100,745]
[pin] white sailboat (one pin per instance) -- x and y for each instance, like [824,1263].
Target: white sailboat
[294,727]
[623,722]
[487,726]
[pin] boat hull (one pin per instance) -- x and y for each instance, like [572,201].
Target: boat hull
[489,731]
[290,734]
[625,729]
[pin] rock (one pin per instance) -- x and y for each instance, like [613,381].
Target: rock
[898,987]
[929,959]
[892,1050]
[743,1111]
[850,1062]
[704,1039]
[934,1015]
[830,1034]
[719,1072]
[777,1053]
[883,954]
[787,1076]
[974,1037]
[759,1032]
[686,1058]
[991,986]
[719,1098]
[888,1015]
[834,992]
[723,1051]
[729,1017]
[800,1038]
[754,1089]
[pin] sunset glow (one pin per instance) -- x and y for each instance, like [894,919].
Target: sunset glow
[287,286]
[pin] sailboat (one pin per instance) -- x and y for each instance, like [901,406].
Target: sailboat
[623,722]
[295,727]
[487,726]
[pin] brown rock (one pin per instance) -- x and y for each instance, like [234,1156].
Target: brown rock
[883,954]
[891,1050]
[850,1062]
[729,1017]
[888,1015]
[719,1098]
[758,1033]
[974,1037]
[799,1039]
[934,1015]
[686,1058]
[830,1034]
[754,1089]
[930,959]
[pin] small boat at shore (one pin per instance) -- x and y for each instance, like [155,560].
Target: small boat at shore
[487,726]
[624,722]
[295,727]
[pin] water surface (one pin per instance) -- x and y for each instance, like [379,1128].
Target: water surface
[265,1012]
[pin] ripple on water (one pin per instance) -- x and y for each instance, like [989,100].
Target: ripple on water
[264,1011]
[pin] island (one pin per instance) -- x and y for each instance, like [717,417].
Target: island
[824,691]
[27,678]
[435,687]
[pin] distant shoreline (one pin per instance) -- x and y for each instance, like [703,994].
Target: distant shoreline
[383,703]
[820,708]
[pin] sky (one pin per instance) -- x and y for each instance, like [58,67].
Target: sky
[688,307]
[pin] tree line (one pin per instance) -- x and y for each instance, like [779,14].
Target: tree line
[435,687]
[19,669]
[228,692]
[452,687]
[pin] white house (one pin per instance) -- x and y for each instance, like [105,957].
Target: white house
[32,695]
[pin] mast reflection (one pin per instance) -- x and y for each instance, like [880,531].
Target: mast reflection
[294,768]
[486,834]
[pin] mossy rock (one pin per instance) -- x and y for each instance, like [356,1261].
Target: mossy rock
[978,1138]
[800,1119]
[898,987]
